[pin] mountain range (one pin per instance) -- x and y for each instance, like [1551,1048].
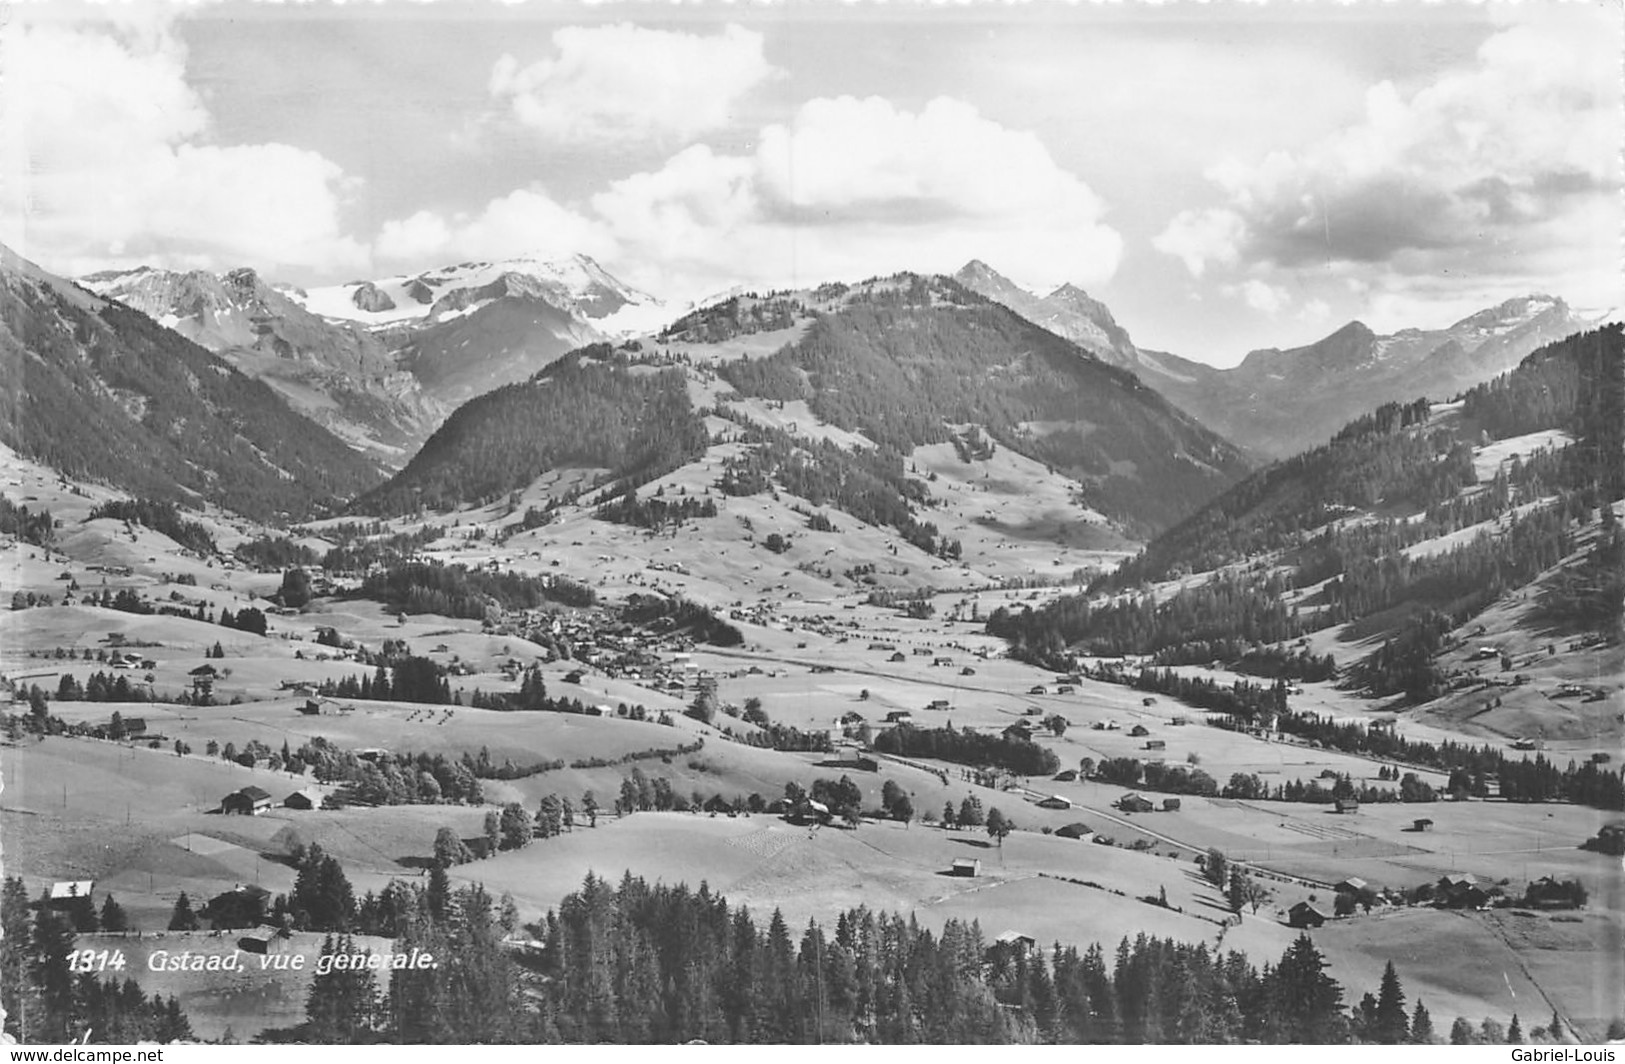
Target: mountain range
[890,366]
[103,392]
[1276,402]
[382,363]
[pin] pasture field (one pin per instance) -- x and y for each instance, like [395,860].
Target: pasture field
[525,738]
[1489,964]
[814,872]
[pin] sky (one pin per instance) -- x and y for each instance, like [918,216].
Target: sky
[1224,176]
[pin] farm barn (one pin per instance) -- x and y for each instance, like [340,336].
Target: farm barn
[965,866]
[68,892]
[242,906]
[250,801]
[304,798]
[260,940]
[1460,890]
[1304,915]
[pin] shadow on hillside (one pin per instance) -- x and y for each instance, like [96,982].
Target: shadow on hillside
[980,844]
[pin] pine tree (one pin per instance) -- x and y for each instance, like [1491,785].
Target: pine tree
[439,893]
[181,918]
[1514,1032]
[114,917]
[15,933]
[1421,1025]
[342,1004]
[1391,1026]
[1236,895]
[1310,1001]
[53,944]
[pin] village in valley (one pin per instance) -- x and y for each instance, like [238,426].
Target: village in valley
[208,723]
[546,524]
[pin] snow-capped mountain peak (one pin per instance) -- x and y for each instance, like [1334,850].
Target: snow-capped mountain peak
[577,284]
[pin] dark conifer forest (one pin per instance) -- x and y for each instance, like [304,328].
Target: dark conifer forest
[636,962]
[587,410]
[1397,464]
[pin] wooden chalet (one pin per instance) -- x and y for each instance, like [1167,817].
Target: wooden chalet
[250,801]
[65,894]
[304,798]
[1304,914]
[965,866]
[262,939]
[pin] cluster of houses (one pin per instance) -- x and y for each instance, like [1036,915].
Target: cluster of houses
[1139,803]
[1456,890]
[252,801]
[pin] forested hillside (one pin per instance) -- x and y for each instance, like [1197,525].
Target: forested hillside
[104,393]
[591,409]
[905,362]
[1336,525]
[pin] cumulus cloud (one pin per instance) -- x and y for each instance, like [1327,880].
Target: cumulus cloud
[1267,299]
[1197,238]
[1315,311]
[110,161]
[852,187]
[1509,166]
[626,82]
[527,221]
[846,189]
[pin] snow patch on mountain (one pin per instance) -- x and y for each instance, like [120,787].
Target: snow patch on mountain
[577,284]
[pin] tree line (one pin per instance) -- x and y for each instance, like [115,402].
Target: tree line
[1023,757]
[642,963]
